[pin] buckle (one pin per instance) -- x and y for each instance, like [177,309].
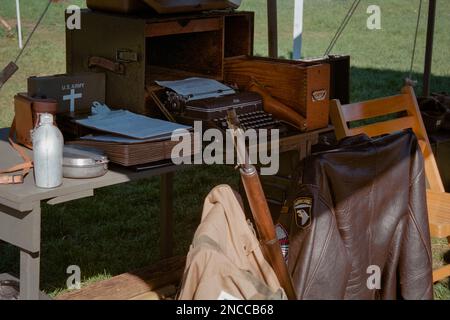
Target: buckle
[17,179]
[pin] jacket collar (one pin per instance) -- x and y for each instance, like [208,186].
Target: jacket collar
[353,140]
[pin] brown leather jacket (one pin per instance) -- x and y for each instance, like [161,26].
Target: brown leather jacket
[356,209]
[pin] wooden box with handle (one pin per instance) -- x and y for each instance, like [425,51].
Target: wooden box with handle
[134,51]
[305,88]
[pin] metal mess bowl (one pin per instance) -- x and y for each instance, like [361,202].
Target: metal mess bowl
[9,290]
[81,162]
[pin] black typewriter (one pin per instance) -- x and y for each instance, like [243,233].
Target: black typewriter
[213,111]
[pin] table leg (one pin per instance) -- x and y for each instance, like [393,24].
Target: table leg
[29,275]
[23,230]
[166,218]
[303,152]
[305,145]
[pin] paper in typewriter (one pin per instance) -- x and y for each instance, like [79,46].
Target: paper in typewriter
[197,88]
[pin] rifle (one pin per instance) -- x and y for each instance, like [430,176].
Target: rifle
[260,211]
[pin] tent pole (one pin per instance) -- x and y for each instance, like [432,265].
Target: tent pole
[272,26]
[19,24]
[429,48]
[298,30]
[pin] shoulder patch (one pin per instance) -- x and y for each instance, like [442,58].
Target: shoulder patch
[303,211]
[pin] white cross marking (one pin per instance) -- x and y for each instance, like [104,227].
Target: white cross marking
[72,96]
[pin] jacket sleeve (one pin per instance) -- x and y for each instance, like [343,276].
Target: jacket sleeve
[415,263]
[317,253]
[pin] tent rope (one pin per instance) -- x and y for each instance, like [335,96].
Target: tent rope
[32,31]
[415,41]
[342,26]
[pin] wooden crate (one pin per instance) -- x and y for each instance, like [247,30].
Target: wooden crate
[146,48]
[303,87]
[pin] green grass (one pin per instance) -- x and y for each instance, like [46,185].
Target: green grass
[118,230]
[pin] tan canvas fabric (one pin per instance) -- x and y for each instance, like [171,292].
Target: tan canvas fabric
[225,256]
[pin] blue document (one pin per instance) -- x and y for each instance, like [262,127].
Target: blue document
[128,124]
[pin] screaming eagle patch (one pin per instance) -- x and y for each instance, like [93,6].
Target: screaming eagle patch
[302,211]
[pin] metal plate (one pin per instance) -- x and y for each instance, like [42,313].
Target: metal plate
[83,162]
[75,155]
[9,290]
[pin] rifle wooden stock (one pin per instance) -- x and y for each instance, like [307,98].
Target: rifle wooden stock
[264,224]
[260,211]
[278,109]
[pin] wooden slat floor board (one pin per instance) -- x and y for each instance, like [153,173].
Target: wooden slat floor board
[158,281]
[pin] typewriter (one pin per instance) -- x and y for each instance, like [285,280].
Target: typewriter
[213,111]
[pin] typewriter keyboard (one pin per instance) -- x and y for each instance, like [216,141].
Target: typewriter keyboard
[252,120]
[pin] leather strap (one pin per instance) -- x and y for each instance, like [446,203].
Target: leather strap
[25,167]
[7,73]
[107,64]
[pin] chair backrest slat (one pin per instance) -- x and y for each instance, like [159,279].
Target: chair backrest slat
[375,108]
[385,127]
[341,115]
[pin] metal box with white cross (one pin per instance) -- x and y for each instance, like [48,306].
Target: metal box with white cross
[74,93]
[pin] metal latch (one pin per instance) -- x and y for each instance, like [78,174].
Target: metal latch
[319,95]
[126,56]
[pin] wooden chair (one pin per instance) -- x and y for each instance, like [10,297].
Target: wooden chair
[406,105]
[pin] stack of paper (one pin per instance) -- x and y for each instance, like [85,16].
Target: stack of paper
[130,139]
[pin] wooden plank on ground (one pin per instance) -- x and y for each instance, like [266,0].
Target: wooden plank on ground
[159,294]
[132,284]
[5,24]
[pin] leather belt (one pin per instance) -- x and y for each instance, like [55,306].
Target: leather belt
[24,167]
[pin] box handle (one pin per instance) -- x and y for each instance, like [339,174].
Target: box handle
[107,64]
